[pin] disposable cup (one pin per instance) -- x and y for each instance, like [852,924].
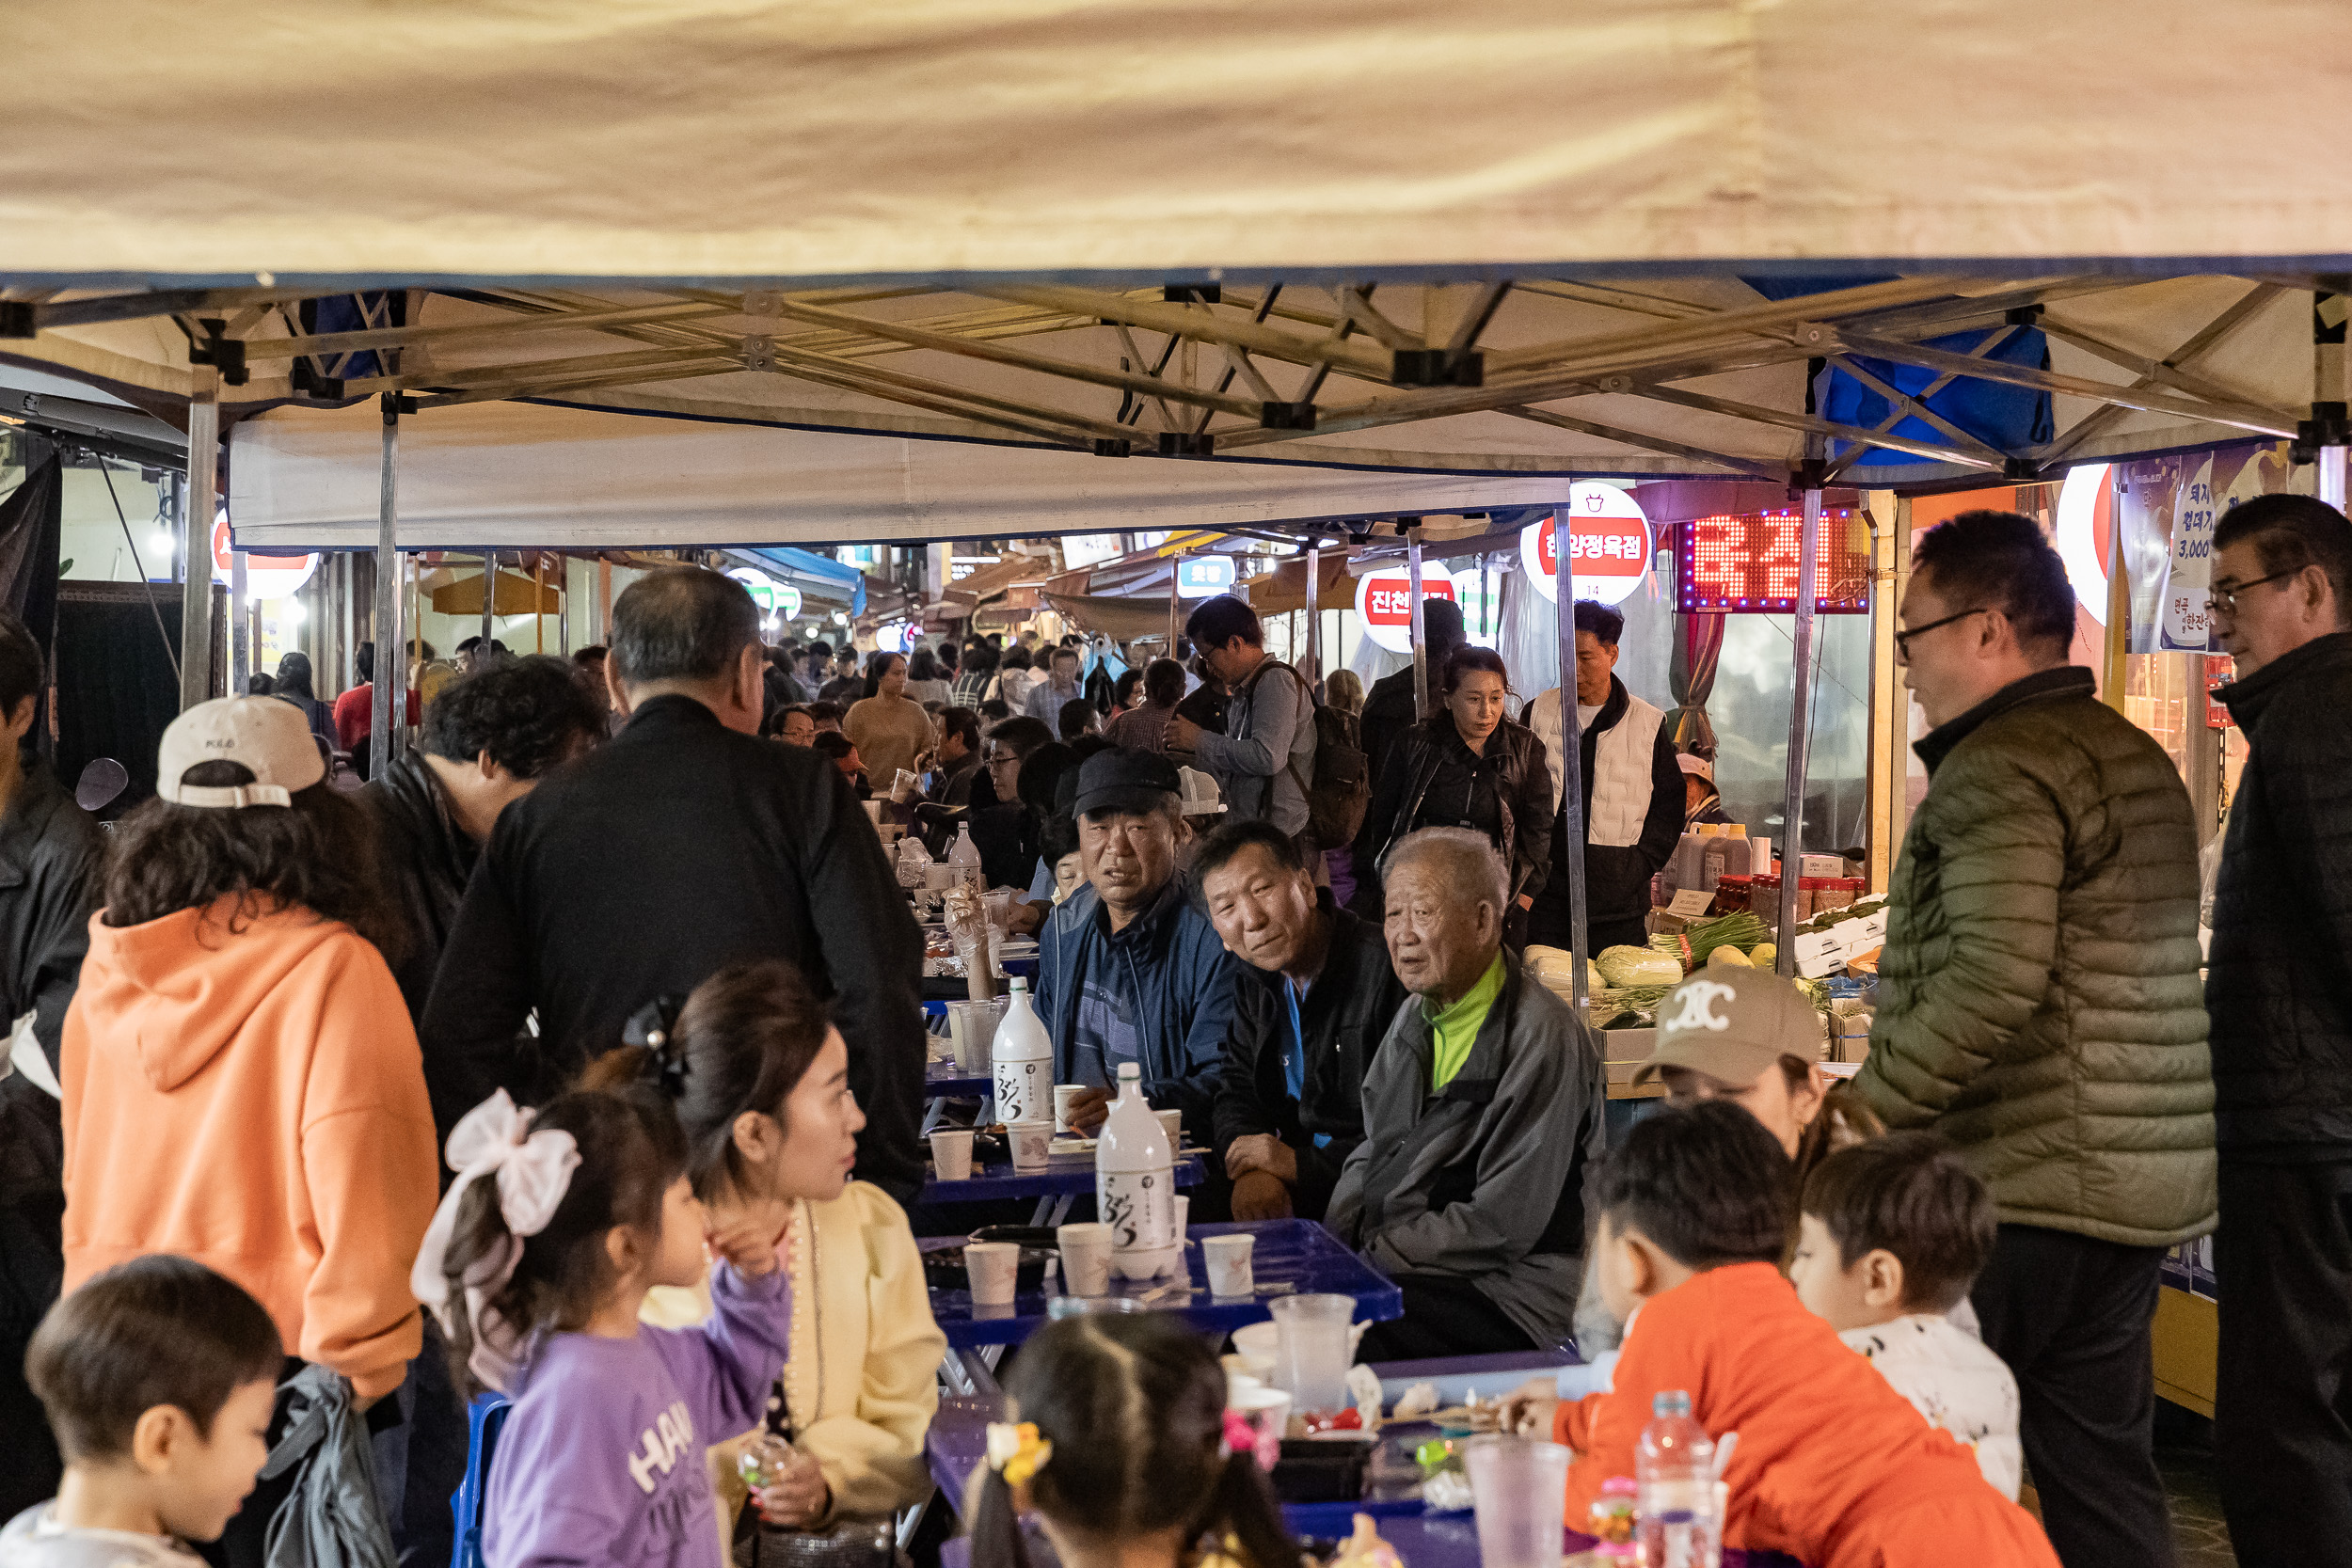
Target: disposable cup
[1086,1258]
[994,1266]
[1228,1261]
[1063,1095]
[1518,1487]
[906,786]
[951,1155]
[1183,1217]
[1032,1145]
[972,1029]
[873,811]
[1173,1122]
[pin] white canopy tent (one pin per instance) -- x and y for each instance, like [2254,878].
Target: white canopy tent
[709,272]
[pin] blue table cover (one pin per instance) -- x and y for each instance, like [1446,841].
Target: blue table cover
[1298,1253]
[1063,1173]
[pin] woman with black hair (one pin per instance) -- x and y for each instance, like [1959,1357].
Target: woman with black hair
[891,730]
[293,685]
[1466,766]
[926,681]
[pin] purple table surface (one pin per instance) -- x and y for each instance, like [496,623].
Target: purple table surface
[945,1081]
[1298,1253]
[1063,1173]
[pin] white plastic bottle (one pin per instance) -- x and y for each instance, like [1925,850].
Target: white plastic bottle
[1022,1057]
[963,856]
[1674,1472]
[1135,1184]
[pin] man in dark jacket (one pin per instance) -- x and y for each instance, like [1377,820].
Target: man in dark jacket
[1309,1010]
[683,844]
[1389,707]
[1632,798]
[52,870]
[1128,971]
[2039,1006]
[1481,1123]
[2279,990]
[488,740]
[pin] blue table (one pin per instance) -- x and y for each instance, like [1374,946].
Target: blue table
[946,1081]
[1299,1255]
[1065,1175]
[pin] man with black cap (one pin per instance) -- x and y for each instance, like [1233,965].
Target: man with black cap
[1128,969]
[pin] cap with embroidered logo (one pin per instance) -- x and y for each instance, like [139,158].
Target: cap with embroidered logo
[263,735]
[1734,1026]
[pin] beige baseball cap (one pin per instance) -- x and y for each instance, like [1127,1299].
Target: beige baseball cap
[267,737]
[1734,1026]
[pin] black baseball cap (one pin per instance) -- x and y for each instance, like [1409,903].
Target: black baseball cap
[1127,779]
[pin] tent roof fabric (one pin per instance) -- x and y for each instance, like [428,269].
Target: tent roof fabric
[834,139]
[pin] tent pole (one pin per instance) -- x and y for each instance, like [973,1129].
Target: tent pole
[1175,569]
[1412,593]
[564,606]
[489,602]
[538,608]
[1314,611]
[414,568]
[196,543]
[1799,731]
[1570,822]
[390,666]
[241,652]
[2330,390]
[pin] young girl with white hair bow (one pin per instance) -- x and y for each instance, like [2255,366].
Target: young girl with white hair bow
[536,1264]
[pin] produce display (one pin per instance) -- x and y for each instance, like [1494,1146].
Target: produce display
[1695,943]
[1623,967]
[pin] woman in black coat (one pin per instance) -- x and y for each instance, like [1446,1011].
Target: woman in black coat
[1466,766]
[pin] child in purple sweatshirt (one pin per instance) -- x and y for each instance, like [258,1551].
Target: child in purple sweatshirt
[537,1276]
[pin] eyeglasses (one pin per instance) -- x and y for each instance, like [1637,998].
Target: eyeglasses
[1902,639]
[2224,600]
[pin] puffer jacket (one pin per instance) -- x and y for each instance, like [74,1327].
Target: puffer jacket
[2279,986]
[2038,999]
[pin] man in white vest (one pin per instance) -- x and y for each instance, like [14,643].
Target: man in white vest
[1633,795]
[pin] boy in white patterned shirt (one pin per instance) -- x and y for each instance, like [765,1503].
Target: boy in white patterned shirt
[1894,1232]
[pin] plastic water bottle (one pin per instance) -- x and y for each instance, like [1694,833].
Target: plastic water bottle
[1022,1056]
[963,857]
[1674,1471]
[1135,1183]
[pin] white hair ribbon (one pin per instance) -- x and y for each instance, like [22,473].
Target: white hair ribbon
[533,1170]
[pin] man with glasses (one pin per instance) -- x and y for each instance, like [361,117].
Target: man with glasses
[2279,990]
[2039,1006]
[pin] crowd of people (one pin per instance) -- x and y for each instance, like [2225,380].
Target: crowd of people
[614,944]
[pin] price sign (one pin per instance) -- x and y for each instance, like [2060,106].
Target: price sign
[1747,563]
[1384,605]
[2189,573]
[1609,546]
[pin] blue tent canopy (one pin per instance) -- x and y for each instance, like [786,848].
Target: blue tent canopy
[808,569]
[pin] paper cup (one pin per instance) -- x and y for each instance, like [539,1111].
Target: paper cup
[992,1267]
[951,1155]
[1063,1095]
[1227,1261]
[1086,1258]
[1032,1145]
[1183,1217]
[1173,1122]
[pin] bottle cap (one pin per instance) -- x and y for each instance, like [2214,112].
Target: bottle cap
[1130,1073]
[1019,986]
[1674,1401]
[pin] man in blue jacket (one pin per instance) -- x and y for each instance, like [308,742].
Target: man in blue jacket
[1128,969]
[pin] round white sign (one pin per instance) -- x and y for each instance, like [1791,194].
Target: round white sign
[1384,604]
[1609,546]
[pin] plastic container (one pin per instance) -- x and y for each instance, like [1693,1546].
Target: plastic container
[1733,894]
[963,856]
[1022,1056]
[1313,1346]
[1135,1180]
[1519,1489]
[1674,1474]
[1764,898]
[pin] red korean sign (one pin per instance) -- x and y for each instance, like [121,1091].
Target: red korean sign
[1609,546]
[2221,670]
[1384,604]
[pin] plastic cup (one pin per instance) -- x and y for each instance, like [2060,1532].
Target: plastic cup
[1267,1411]
[1063,1095]
[1032,1145]
[1313,1349]
[873,811]
[906,787]
[972,1028]
[1519,1489]
[992,1267]
[951,1155]
[1173,1123]
[1183,1216]
[1086,1258]
[1228,1261]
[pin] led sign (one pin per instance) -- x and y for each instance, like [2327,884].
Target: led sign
[1747,563]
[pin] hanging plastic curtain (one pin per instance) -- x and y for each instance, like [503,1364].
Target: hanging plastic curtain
[1698,649]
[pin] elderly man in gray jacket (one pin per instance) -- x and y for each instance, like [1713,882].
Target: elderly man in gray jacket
[1481,1123]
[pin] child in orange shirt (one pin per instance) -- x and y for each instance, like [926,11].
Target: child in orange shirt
[1833,1465]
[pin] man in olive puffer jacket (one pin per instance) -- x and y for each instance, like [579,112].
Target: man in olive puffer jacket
[2281,995]
[2038,1004]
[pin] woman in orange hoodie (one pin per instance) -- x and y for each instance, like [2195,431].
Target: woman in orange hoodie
[241,1082]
